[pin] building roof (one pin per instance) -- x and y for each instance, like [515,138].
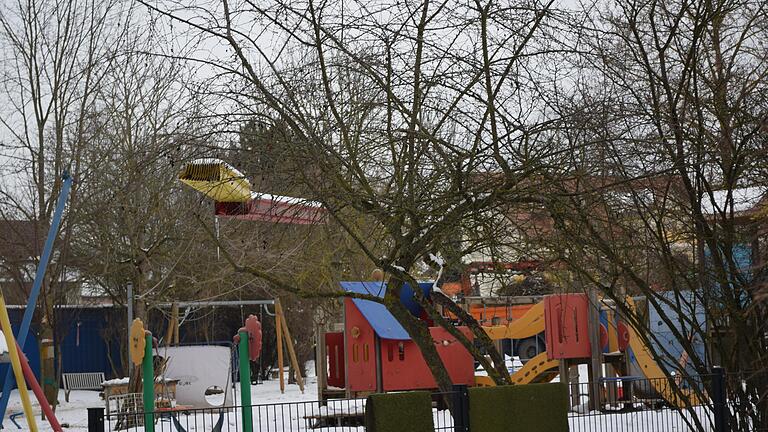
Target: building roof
[20,239]
[743,200]
[383,322]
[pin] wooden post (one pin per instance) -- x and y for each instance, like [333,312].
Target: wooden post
[279,333]
[321,363]
[564,371]
[289,344]
[172,324]
[596,360]
[575,388]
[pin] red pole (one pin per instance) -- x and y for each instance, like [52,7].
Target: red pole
[32,381]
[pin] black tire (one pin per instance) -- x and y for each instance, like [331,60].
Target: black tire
[529,348]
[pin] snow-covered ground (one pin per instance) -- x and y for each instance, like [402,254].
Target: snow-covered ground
[280,415]
[75,412]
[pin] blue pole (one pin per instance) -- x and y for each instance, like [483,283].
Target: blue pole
[39,276]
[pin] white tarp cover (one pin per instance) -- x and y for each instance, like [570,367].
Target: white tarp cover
[197,368]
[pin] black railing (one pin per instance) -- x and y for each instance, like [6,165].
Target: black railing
[711,402]
[332,415]
[697,403]
[642,405]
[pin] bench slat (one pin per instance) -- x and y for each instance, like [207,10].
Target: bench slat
[82,380]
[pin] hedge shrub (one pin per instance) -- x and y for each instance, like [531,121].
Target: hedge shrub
[399,412]
[522,408]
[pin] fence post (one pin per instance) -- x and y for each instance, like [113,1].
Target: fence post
[460,401]
[96,419]
[148,384]
[719,399]
[245,381]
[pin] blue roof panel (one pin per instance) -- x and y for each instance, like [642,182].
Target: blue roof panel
[383,322]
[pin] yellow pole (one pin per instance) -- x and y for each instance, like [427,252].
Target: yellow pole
[5,322]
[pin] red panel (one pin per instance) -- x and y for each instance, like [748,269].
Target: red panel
[360,349]
[567,326]
[623,332]
[404,368]
[253,326]
[334,349]
[273,211]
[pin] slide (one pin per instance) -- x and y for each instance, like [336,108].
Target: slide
[530,324]
[537,369]
[651,370]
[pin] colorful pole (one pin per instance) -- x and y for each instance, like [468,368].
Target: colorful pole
[35,292]
[38,391]
[5,322]
[245,382]
[148,380]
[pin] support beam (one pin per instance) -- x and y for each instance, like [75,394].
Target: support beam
[245,382]
[596,360]
[215,303]
[279,334]
[13,353]
[36,285]
[289,344]
[148,381]
[321,363]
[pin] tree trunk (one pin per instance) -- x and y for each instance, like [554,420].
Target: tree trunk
[47,363]
[420,334]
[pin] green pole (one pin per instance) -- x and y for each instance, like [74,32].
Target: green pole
[245,383]
[148,379]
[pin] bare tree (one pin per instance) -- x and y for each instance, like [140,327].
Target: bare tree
[57,53]
[399,111]
[663,198]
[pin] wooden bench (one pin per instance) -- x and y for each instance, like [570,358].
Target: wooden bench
[81,381]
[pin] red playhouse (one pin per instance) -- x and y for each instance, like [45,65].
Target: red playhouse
[374,352]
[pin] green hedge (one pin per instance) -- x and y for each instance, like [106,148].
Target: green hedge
[399,412]
[523,408]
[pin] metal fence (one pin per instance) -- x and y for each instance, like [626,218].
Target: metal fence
[684,403]
[611,405]
[333,415]
[642,405]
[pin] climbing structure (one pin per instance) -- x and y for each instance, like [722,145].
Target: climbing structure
[231,191]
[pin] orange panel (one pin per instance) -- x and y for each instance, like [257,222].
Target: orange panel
[505,314]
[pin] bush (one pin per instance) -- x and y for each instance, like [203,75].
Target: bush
[523,408]
[399,412]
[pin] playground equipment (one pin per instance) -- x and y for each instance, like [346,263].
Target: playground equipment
[24,375]
[29,312]
[371,352]
[281,328]
[248,340]
[140,353]
[566,320]
[231,191]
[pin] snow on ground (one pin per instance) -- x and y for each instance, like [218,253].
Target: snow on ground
[281,413]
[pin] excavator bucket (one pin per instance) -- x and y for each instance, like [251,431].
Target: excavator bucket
[216,179]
